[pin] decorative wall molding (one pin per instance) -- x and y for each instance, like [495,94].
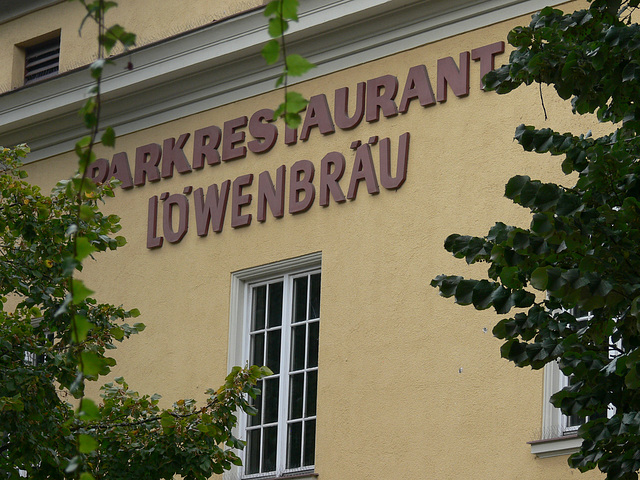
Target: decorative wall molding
[220,63]
[12,9]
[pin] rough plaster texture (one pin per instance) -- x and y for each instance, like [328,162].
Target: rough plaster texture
[410,385]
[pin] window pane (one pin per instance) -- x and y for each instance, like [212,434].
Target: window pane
[296,390]
[312,390]
[275,305]
[253,451]
[273,350]
[270,449]
[312,353]
[298,347]
[271,393]
[257,349]
[257,418]
[314,303]
[294,445]
[258,311]
[309,442]
[300,299]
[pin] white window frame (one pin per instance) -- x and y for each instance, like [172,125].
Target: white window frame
[238,353]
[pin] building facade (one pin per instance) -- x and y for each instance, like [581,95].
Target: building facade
[308,250]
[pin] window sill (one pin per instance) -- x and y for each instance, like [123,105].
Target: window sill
[290,476]
[298,476]
[553,447]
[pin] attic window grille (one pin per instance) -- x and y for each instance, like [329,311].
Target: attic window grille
[41,61]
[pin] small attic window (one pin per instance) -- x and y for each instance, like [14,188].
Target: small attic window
[41,60]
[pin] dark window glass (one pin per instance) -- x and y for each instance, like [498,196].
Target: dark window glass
[296,392]
[275,305]
[253,451]
[257,349]
[273,350]
[309,442]
[270,450]
[257,402]
[274,334]
[300,299]
[271,393]
[298,334]
[314,303]
[294,445]
[312,392]
[259,305]
[312,353]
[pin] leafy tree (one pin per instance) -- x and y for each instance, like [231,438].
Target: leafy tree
[54,336]
[53,339]
[581,250]
[280,13]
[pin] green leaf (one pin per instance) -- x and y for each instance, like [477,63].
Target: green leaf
[167,420]
[80,291]
[290,9]
[272,8]
[539,278]
[81,327]
[86,212]
[93,364]
[109,137]
[295,102]
[277,27]
[83,248]
[464,292]
[88,410]
[96,68]
[271,51]
[117,333]
[298,65]
[86,444]
[509,277]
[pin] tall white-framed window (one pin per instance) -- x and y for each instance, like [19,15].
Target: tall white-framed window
[275,320]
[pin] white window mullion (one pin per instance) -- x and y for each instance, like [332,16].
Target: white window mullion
[285,355]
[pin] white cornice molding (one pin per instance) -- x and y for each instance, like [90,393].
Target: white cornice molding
[221,63]
[12,9]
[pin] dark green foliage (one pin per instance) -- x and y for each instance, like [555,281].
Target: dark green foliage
[582,247]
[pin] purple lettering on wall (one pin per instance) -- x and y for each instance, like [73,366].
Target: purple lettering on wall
[153,240]
[394,182]
[456,78]
[341,107]
[301,190]
[205,146]
[238,200]
[270,194]
[176,202]
[331,170]
[172,154]
[363,170]
[487,57]
[210,210]
[147,161]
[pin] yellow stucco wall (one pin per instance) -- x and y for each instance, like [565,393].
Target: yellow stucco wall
[143,17]
[410,385]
